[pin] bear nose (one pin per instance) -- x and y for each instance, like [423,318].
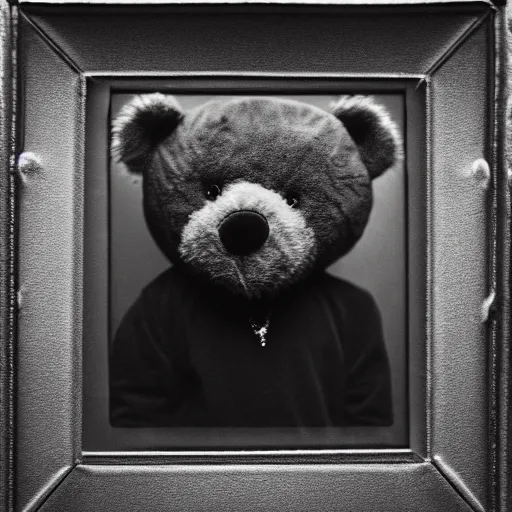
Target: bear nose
[243,232]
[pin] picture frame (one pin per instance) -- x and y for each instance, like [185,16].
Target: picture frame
[105,252]
[454,65]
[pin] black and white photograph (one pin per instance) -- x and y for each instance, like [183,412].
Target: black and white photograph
[255,255]
[251,198]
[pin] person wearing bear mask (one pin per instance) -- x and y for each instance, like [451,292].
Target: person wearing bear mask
[251,198]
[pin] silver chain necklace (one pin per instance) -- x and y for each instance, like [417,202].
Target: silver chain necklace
[260,330]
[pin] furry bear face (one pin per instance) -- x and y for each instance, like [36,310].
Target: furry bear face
[255,193]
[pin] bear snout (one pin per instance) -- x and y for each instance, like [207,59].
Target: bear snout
[243,232]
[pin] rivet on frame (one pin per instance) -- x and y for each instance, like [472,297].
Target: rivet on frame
[28,163]
[488,306]
[481,172]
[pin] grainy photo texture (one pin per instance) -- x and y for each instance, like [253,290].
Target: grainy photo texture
[251,198]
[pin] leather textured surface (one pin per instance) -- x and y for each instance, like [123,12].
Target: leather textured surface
[361,488]
[6,338]
[460,221]
[504,149]
[49,322]
[264,42]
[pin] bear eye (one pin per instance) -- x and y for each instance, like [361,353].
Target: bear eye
[212,192]
[292,201]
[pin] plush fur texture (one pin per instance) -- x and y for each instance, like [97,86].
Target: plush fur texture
[141,125]
[288,251]
[284,148]
[372,129]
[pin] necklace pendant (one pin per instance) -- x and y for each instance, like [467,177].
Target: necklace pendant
[261,332]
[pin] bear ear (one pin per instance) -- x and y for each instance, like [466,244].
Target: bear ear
[372,129]
[141,125]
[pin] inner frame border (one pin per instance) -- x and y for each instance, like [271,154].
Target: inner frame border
[413,88]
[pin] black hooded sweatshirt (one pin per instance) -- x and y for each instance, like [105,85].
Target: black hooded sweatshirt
[185,354]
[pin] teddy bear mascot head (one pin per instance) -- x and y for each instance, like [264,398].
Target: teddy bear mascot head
[255,193]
